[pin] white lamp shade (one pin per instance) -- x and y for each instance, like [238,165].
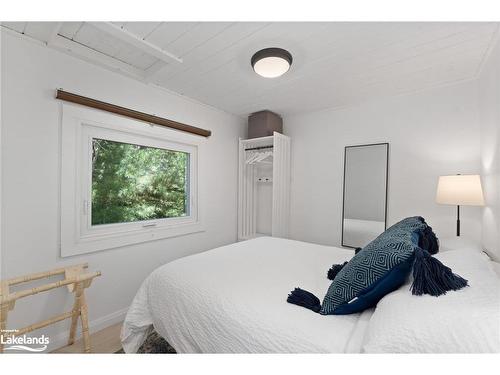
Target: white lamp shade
[460,190]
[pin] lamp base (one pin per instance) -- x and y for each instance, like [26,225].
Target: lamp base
[458,221]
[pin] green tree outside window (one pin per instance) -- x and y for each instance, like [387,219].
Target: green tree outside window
[135,183]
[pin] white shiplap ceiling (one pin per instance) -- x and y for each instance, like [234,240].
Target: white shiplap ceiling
[335,64]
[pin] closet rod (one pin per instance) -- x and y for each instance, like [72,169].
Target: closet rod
[258,148]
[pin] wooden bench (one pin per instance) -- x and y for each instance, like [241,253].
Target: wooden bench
[75,279]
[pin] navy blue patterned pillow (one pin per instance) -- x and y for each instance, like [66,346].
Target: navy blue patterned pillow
[427,239]
[382,266]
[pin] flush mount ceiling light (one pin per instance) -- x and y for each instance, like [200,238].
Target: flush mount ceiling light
[271,62]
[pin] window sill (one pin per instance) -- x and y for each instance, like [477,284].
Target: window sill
[77,246]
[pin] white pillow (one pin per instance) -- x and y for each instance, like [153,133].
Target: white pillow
[459,243]
[464,321]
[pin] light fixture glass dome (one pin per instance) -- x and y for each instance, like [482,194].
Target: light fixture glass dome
[271,62]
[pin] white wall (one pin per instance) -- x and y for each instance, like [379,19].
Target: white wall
[489,114]
[31,161]
[430,134]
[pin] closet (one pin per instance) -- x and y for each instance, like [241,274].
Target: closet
[264,187]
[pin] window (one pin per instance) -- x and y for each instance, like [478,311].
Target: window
[135,183]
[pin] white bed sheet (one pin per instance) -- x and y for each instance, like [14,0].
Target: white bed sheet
[233,300]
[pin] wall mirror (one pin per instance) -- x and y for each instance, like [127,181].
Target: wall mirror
[364,213]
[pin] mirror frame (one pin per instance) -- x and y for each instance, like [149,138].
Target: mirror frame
[386,186]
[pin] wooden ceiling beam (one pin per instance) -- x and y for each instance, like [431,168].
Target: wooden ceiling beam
[142,44]
[88,54]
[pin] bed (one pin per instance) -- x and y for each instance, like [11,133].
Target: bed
[233,300]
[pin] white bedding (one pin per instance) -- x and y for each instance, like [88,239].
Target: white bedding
[233,300]
[465,321]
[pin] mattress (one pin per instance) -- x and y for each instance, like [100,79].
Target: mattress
[233,300]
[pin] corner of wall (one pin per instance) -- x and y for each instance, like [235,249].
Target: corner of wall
[488,97]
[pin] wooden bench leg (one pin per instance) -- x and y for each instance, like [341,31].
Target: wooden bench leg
[76,314]
[85,324]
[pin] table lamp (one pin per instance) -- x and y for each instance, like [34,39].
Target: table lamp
[460,190]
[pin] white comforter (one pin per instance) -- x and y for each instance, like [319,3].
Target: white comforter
[465,321]
[233,300]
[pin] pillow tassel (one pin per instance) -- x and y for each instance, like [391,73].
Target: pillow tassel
[305,299]
[432,277]
[428,241]
[334,270]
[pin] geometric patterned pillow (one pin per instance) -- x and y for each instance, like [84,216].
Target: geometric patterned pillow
[379,268]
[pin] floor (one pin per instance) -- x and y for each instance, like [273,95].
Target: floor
[104,341]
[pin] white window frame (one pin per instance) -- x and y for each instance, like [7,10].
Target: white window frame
[79,127]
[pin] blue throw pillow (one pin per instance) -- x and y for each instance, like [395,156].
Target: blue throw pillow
[382,266]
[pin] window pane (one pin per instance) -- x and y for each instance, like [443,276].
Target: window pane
[134,183]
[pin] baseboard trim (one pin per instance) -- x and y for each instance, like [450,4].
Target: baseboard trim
[61,339]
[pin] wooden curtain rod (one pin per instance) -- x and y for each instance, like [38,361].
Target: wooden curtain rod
[141,116]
